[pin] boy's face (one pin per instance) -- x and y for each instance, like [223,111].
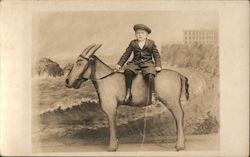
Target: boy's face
[141,34]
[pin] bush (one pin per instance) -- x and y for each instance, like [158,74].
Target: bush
[197,56]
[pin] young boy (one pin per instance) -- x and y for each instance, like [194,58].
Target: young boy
[144,51]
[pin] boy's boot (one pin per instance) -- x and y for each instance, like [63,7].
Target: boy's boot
[153,97]
[152,94]
[128,96]
[129,75]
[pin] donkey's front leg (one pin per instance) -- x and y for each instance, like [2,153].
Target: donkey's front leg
[110,110]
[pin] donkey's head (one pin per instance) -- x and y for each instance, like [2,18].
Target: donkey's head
[81,70]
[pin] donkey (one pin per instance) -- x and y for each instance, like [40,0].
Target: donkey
[170,86]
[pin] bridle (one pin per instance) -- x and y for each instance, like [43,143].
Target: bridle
[90,62]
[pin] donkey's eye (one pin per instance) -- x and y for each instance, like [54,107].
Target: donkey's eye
[79,64]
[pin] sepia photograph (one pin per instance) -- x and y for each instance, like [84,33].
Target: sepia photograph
[132,82]
[124,78]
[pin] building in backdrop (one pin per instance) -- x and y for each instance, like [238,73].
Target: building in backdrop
[207,37]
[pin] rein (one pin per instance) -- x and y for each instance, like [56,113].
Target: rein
[90,63]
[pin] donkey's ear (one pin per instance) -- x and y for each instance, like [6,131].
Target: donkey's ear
[93,50]
[86,50]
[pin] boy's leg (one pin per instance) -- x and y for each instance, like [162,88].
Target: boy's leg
[149,72]
[151,88]
[129,75]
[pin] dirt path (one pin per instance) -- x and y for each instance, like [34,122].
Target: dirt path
[193,143]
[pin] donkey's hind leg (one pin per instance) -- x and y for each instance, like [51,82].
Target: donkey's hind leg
[110,107]
[177,111]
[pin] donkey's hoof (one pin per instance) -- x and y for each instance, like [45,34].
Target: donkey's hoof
[113,147]
[179,147]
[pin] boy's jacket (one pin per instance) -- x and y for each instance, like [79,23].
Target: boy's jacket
[143,55]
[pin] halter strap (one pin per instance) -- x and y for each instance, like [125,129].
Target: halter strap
[84,57]
[93,70]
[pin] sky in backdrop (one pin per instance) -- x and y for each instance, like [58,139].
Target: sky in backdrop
[61,36]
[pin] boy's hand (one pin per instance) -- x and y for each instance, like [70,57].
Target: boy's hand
[117,67]
[158,69]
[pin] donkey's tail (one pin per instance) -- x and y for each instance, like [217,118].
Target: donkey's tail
[184,90]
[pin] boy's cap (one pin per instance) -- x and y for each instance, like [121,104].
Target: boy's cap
[143,27]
